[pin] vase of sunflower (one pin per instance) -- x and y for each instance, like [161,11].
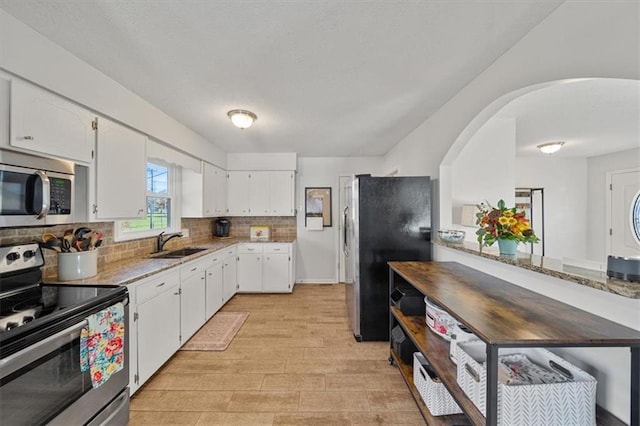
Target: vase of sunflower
[507,226]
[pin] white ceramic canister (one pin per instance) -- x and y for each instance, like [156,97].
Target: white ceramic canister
[77,265]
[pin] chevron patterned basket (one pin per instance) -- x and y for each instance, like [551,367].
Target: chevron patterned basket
[570,403]
[433,393]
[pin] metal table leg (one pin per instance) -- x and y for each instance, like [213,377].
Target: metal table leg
[635,386]
[492,385]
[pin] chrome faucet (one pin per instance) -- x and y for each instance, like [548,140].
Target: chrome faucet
[163,239]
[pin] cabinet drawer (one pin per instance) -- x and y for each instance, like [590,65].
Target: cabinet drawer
[152,288]
[246,248]
[194,268]
[276,248]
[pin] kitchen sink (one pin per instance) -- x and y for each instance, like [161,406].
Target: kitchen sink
[177,254]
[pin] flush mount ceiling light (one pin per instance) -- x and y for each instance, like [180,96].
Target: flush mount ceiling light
[242,118]
[550,147]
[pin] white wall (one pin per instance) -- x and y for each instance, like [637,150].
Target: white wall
[317,255]
[565,202]
[29,55]
[485,170]
[579,39]
[597,193]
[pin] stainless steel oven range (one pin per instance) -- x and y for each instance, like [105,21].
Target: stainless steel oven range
[41,381]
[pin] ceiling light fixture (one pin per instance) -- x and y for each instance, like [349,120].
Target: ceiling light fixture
[550,147]
[242,118]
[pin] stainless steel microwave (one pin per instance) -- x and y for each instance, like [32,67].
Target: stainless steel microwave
[35,191]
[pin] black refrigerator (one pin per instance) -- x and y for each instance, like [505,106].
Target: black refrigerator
[385,219]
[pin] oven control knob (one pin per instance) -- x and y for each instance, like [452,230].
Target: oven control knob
[13,256]
[29,254]
[11,325]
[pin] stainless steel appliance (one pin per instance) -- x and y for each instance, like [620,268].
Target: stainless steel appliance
[41,381]
[386,219]
[35,191]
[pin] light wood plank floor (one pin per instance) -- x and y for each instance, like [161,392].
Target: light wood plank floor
[294,362]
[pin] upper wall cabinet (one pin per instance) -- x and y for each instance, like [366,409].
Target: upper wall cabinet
[261,193]
[49,124]
[204,194]
[121,167]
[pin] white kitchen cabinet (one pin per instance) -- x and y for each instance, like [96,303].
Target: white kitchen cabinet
[260,193]
[265,267]
[213,284]
[238,193]
[192,298]
[155,326]
[120,173]
[281,190]
[250,267]
[229,274]
[204,194]
[50,124]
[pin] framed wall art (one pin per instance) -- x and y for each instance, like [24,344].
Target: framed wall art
[317,205]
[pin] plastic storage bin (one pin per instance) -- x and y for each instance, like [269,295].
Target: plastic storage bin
[551,404]
[402,345]
[439,320]
[434,394]
[408,300]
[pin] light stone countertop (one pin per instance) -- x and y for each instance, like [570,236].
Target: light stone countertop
[553,268]
[128,271]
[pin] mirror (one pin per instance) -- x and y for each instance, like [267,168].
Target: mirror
[599,121]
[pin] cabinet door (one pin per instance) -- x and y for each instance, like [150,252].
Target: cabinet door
[213,291]
[281,188]
[158,328]
[220,187]
[120,163]
[49,124]
[275,272]
[209,195]
[259,197]
[230,277]
[192,305]
[250,272]
[238,193]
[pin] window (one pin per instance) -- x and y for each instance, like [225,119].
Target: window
[635,217]
[161,201]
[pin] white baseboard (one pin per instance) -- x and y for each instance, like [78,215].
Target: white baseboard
[319,281]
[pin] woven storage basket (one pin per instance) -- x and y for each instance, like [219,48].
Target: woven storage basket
[433,393]
[571,403]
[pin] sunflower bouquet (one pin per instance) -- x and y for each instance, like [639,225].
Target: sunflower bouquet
[502,223]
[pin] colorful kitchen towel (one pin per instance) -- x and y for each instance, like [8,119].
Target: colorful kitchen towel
[102,344]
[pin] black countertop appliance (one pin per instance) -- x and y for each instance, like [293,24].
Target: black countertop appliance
[221,227]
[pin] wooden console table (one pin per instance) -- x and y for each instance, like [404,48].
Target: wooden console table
[503,315]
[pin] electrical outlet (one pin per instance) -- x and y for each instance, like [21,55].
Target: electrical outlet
[185,232]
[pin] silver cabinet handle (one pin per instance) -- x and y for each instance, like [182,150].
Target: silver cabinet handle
[160,285]
[28,138]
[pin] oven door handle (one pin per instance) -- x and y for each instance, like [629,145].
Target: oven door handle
[26,356]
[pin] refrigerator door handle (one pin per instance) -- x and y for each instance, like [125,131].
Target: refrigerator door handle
[344,228]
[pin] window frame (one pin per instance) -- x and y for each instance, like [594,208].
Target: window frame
[173,194]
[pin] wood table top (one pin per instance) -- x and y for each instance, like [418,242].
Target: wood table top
[504,314]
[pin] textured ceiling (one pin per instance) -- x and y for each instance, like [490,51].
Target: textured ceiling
[326,78]
[593,117]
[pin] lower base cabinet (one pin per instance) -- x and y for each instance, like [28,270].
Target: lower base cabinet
[213,286]
[192,299]
[156,326]
[229,274]
[265,267]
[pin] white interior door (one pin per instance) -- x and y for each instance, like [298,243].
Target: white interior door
[625,193]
